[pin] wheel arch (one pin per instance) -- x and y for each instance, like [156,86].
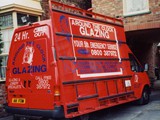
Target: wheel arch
[145,95]
[146,86]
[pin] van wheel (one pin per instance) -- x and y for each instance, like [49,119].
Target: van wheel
[145,98]
[82,117]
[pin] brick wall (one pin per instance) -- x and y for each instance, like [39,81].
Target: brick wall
[114,8]
[2,99]
[45,6]
[108,7]
[2,93]
[84,4]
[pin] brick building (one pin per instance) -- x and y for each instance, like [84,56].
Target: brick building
[142,25]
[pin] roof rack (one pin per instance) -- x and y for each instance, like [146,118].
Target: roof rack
[74,10]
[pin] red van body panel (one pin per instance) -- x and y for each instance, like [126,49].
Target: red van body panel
[30,74]
[75,63]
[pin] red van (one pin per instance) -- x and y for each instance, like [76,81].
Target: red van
[75,63]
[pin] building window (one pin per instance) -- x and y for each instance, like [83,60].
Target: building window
[6,39]
[20,16]
[3,65]
[3,60]
[135,7]
[6,20]
[6,46]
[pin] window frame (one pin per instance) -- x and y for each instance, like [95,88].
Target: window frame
[134,13]
[3,67]
[4,57]
[10,23]
[137,66]
[20,23]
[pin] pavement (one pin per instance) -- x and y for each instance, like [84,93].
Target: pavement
[156,84]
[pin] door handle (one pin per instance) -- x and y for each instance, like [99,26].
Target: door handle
[29,83]
[25,83]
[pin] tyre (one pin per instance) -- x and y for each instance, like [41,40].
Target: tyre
[145,98]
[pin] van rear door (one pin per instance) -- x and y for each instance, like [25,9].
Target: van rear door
[30,74]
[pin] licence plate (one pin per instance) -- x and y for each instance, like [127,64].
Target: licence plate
[19,100]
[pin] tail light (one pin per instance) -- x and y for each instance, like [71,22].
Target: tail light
[57,94]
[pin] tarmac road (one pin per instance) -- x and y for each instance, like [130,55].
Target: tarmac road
[128,111]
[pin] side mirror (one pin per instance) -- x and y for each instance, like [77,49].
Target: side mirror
[133,68]
[146,67]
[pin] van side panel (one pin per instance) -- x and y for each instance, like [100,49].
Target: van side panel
[93,66]
[30,75]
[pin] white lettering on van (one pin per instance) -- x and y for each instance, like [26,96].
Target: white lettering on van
[110,53]
[14,83]
[43,82]
[96,48]
[17,37]
[21,36]
[112,47]
[24,35]
[97,45]
[91,29]
[40,31]
[78,43]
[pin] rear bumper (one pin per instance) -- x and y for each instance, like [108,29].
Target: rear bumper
[58,112]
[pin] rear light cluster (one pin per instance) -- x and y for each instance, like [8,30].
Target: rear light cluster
[57,95]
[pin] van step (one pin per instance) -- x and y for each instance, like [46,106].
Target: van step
[115,96]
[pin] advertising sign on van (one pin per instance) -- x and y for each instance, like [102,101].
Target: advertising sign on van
[103,44]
